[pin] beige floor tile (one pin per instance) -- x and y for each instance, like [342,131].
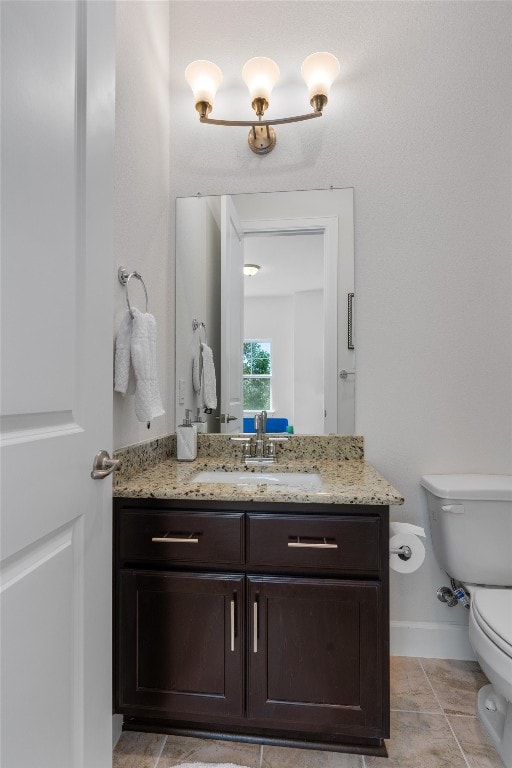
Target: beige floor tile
[475,742]
[455,683]
[185,749]
[285,757]
[137,750]
[419,741]
[410,689]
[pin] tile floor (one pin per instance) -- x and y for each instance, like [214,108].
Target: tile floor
[433,725]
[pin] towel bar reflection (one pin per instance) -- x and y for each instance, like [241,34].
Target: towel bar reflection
[124,278]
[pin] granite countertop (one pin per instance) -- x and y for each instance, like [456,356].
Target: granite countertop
[344,481]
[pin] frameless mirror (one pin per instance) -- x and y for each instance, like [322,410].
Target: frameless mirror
[282,337]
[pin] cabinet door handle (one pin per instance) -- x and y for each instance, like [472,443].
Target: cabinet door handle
[232,612]
[321,544]
[255,626]
[190,539]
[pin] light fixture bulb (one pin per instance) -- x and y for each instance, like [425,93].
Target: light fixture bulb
[319,71]
[204,77]
[251,269]
[260,75]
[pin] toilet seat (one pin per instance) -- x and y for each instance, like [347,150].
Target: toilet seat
[492,612]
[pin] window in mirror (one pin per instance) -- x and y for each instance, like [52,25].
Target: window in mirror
[257,375]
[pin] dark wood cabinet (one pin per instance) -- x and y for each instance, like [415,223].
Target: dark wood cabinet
[266,623]
[180,650]
[314,658]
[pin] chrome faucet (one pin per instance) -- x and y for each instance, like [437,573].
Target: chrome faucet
[260,424]
[260,448]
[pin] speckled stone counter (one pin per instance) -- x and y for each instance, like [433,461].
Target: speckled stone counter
[150,471]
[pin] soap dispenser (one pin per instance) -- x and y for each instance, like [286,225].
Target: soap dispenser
[186,439]
[200,424]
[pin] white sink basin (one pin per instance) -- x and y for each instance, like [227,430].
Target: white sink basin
[305,481]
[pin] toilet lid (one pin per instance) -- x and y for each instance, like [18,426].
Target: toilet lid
[471,487]
[492,609]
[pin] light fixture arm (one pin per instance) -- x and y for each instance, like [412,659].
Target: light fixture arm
[251,123]
[262,137]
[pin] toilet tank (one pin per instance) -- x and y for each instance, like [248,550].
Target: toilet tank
[471,526]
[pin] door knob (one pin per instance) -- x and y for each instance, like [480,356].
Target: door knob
[103,465]
[225,417]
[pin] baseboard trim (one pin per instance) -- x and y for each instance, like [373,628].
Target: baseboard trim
[432,640]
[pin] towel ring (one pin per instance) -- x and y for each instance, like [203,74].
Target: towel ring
[198,326]
[124,278]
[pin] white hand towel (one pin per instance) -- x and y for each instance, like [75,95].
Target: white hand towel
[209,384]
[148,403]
[123,371]
[196,365]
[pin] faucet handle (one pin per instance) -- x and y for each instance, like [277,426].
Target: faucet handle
[247,443]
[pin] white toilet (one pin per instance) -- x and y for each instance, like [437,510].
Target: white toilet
[471,526]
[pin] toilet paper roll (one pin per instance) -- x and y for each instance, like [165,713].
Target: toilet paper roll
[406,535]
[395,528]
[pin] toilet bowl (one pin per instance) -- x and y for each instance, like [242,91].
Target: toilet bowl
[490,635]
[471,525]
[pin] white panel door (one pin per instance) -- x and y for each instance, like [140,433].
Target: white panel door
[58,67]
[232,318]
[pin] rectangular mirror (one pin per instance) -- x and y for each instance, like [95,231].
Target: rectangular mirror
[282,338]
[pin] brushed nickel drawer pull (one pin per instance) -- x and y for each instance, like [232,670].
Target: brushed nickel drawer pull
[255,626]
[232,624]
[324,544]
[190,539]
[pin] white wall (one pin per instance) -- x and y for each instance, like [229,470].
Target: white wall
[141,215]
[419,124]
[271,318]
[308,311]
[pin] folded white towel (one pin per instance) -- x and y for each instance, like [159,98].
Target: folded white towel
[148,404]
[208,381]
[124,381]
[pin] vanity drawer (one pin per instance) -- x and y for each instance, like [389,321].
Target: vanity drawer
[182,537]
[314,542]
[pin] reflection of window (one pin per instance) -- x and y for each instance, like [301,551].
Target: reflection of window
[257,373]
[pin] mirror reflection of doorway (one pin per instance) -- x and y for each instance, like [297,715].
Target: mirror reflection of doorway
[284,318]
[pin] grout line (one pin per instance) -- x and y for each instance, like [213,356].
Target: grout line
[445,716]
[458,742]
[420,711]
[161,752]
[436,697]
[364,762]
[261,756]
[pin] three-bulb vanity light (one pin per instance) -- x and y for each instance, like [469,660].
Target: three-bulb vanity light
[260,75]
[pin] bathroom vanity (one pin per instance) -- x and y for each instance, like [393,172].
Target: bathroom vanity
[254,610]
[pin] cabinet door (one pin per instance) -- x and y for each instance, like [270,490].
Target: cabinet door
[180,644]
[315,655]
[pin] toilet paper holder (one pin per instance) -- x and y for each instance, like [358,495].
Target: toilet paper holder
[404,552]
